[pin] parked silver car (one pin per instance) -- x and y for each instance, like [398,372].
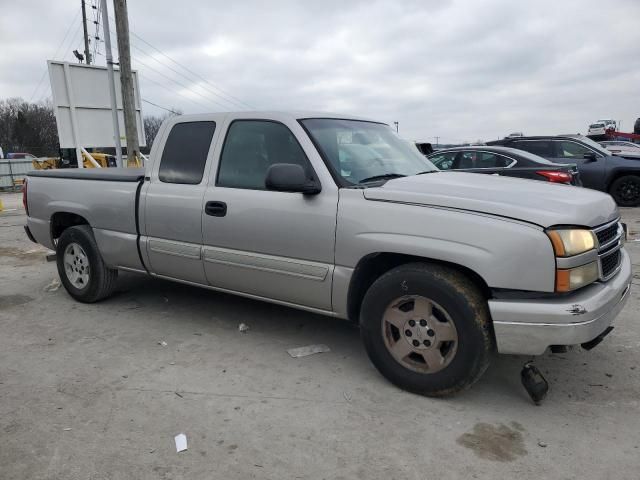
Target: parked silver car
[622,148]
[339,216]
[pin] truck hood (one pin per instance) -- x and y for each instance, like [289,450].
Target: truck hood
[542,203]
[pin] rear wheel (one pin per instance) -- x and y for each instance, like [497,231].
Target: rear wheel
[626,191]
[80,266]
[426,328]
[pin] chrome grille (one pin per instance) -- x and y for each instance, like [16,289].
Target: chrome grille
[607,234]
[610,242]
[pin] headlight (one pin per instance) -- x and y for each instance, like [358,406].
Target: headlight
[574,278]
[572,241]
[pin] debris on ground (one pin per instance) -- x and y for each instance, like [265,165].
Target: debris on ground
[198,334]
[609,375]
[53,286]
[542,444]
[243,328]
[308,350]
[178,394]
[66,429]
[162,343]
[181,442]
[346,396]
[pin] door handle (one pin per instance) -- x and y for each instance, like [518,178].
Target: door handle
[215,209]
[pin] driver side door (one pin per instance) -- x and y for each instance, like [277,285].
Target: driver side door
[268,244]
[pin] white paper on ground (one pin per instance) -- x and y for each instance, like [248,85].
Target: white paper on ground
[308,350]
[181,442]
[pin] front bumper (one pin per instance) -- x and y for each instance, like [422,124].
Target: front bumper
[529,327]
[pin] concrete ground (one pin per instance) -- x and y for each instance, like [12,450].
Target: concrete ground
[87,392]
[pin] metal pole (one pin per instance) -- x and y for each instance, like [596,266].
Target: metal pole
[126,79]
[112,82]
[87,55]
[13,185]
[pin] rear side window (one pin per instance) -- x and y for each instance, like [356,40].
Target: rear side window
[444,161]
[537,147]
[185,152]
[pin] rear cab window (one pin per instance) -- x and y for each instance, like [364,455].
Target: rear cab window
[185,152]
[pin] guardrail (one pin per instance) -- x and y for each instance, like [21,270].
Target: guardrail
[13,172]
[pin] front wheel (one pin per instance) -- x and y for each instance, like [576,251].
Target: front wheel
[80,266]
[426,329]
[625,190]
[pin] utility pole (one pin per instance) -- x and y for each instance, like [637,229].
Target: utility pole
[126,79]
[396,124]
[437,138]
[87,55]
[112,82]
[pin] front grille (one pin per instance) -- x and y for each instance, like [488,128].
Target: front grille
[610,243]
[607,234]
[609,263]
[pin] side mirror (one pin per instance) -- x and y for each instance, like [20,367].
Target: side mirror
[590,157]
[289,177]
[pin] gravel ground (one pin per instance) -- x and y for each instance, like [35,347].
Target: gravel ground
[89,391]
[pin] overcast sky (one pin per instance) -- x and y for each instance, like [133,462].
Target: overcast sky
[460,70]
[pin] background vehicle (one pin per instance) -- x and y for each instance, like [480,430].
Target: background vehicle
[636,127]
[20,155]
[504,161]
[599,169]
[609,124]
[622,148]
[597,130]
[341,217]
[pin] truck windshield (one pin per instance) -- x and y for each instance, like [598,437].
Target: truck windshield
[363,152]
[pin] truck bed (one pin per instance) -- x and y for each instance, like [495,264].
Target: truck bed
[104,174]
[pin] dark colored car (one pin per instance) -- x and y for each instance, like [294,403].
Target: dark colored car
[636,127]
[504,161]
[599,169]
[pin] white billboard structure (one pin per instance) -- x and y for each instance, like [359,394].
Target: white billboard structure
[82,106]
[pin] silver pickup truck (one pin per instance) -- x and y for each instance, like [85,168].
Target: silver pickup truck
[339,216]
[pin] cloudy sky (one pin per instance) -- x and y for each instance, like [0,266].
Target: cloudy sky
[461,70]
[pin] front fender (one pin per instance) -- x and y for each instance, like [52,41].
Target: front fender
[505,253]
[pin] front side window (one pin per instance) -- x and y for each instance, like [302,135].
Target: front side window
[359,151]
[571,150]
[251,147]
[185,152]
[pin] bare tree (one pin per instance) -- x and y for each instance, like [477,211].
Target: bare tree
[152,125]
[28,127]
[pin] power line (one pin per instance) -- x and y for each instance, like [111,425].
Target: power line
[147,79]
[186,87]
[237,100]
[156,105]
[183,75]
[56,54]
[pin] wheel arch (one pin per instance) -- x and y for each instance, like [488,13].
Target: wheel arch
[62,220]
[372,266]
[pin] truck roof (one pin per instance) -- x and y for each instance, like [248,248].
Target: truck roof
[274,114]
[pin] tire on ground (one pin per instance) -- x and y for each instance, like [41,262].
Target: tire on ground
[625,190]
[464,303]
[102,279]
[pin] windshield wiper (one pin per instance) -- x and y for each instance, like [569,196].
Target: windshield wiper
[427,171]
[385,176]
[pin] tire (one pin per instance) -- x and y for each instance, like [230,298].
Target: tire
[80,266]
[625,190]
[446,366]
